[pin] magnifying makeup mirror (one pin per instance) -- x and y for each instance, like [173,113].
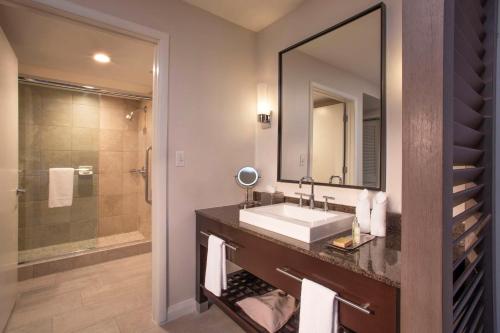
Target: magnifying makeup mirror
[247,177]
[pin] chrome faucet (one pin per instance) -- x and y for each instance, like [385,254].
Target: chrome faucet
[333,177]
[311,196]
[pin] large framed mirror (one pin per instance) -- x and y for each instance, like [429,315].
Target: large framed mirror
[332,105]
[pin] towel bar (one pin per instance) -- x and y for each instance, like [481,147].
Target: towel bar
[234,248]
[363,308]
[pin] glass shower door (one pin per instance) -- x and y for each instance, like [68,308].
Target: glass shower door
[57,129]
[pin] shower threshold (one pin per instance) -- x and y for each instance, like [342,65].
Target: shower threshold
[52,251]
[61,257]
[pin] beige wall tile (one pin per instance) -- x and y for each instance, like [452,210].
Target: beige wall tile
[55,159]
[48,215]
[55,137]
[81,158]
[84,209]
[85,116]
[30,161]
[131,183]
[130,141]
[130,204]
[29,137]
[108,102]
[30,105]
[32,185]
[52,234]
[86,186]
[55,96]
[110,140]
[130,161]
[110,162]
[85,139]
[113,119]
[110,184]
[129,223]
[111,205]
[57,114]
[82,230]
[86,99]
[107,226]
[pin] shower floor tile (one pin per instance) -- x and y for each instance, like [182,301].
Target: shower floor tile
[72,247]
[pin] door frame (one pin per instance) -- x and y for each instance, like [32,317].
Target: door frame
[159,219]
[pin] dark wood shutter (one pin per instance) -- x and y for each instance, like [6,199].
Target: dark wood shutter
[468,170]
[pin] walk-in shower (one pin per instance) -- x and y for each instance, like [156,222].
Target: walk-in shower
[67,126]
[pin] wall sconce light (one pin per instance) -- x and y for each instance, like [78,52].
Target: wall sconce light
[263,106]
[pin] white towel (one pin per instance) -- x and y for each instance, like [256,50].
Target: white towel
[379,214]
[363,211]
[318,309]
[215,274]
[60,187]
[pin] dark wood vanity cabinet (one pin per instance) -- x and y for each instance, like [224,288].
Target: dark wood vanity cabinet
[261,257]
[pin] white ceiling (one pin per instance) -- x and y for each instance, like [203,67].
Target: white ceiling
[254,15]
[47,45]
[354,47]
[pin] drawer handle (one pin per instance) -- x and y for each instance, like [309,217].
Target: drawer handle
[363,308]
[229,246]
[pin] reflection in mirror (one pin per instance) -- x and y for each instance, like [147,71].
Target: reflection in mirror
[331,105]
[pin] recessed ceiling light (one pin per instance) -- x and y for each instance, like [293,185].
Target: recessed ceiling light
[102,58]
[88,87]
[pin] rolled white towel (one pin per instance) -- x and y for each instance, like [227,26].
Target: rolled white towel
[363,211]
[379,212]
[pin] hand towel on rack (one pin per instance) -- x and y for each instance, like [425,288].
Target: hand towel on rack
[363,211]
[61,187]
[318,308]
[215,274]
[378,223]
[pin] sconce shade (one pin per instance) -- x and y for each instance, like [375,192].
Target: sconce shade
[263,106]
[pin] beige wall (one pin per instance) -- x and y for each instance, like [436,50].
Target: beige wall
[211,117]
[311,17]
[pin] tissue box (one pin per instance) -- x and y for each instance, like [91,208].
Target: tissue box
[267,198]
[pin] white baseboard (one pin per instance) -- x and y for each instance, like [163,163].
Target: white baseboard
[180,309]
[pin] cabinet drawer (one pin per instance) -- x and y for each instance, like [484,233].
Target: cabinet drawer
[262,257]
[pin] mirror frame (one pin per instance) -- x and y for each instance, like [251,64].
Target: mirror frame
[380,6]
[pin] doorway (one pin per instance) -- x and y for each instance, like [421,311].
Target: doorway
[135,112]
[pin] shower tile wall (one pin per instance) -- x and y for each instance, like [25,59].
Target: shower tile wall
[59,128]
[118,153]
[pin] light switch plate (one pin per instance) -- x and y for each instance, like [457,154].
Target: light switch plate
[179,158]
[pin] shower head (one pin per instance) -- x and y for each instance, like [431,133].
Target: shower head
[130,115]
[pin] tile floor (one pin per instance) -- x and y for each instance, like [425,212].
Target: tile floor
[112,297]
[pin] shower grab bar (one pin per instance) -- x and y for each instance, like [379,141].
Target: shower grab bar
[146,175]
[363,308]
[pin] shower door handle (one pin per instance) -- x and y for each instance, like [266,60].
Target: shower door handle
[147,174]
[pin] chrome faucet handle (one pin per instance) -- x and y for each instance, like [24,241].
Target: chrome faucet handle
[301,195]
[325,205]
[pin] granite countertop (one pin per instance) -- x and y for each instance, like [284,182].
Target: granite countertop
[378,259]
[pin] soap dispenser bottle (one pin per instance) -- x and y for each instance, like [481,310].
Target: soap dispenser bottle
[356,232]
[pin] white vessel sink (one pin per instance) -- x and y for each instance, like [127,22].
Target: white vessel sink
[302,223]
